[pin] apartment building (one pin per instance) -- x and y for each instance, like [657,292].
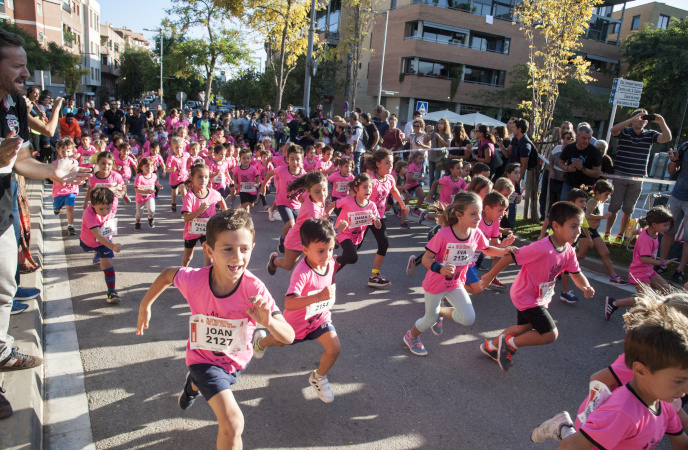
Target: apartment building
[111,47]
[653,15]
[431,41]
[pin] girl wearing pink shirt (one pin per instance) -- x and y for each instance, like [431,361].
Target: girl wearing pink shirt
[224,292]
[264,166]
[312,189]
[288,207]
[414,178]
[176,166]
[145,186]
[135,146]
[85,151]
[641,272]
[479,185]
[451,184]
[355,213]
[64,196]
[200,204]
[309,299]
[219,170]
[154,154]
[447,258]
[105,177]
[532,291]
[124,163]
[326,165]
[245,178]
[309,161]
[340,180]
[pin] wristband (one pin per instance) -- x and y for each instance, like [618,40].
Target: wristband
[662,261]
[436,267]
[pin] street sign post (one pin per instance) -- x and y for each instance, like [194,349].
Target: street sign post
[422,107]
[624,93]
[181,96]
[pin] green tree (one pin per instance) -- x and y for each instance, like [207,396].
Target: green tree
[657,57]
[351,48]
[35,54]
[178,75]
[138,72]
[219,44]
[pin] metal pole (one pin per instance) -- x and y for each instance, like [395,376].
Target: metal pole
[161,91]
[611,119]
[382,63]
[309,63]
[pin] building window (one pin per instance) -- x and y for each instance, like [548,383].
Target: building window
[635,23]
[39,8]
[616,27]
[481,75]
[663,22]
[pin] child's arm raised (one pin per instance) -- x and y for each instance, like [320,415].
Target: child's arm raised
[275,324]
[292,302]
[582,282]
[105,241]
[159,285]
[499,251]
[486,280]
[430,264]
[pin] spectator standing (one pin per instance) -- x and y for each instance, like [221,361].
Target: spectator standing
[393,137]
[580,161]
[136,123]
[408,128]
[383,124]
[70,127]
[441,137]
[114,118]
[371,132]
[632,157]
[678,206]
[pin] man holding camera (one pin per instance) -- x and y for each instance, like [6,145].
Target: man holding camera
[631,160]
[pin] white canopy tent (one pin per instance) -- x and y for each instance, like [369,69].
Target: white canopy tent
[474,119]
[451,116]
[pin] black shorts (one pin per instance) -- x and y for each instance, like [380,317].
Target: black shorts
[593,233]
[538,317]
[191,243]
[315,334]
[175,186]
[390,200]
[211,379]
[247,197]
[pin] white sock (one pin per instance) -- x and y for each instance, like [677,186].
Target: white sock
[491,346]
[510,341]
[566,431]
[318,376]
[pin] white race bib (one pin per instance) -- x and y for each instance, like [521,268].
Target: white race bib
[85,160]
[198,225]
[109,228]
[219,179]
[135,151]
[146,187]
[319,307]
[360,219]
[415,175]
[247,187]
[546,291]
[342,187]
[599,392]
[458,254]
[103,185]
[218,335]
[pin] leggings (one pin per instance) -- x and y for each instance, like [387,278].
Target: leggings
[459,299]
[380,236]
[349,254]
[150,206]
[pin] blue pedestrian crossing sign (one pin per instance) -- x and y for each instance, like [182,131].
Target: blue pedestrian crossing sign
[422,107]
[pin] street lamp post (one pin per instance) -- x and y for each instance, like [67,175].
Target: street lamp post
[309,62]
[160,30]
[382,63]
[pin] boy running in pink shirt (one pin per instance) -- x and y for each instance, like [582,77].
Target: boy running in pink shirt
[227,303]
[533,287]
[309,299]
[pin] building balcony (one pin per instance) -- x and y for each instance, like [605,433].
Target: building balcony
[109,69]
[455,42]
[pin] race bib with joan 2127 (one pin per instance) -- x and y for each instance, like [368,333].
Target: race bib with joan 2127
[216,334]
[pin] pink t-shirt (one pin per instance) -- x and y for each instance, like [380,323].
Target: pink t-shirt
[112,180]
[84,155]
[67,189]
[246,179]
[193,202]
[324,166]
[450,188]
[179,175]
[171,124]
[622,374]
[541,264]
[644,246]
[624,422]
[310,166]
[263,169]
[90,219]
[221,168]
[142,181]
[194,285]
[157,159]
[449,249]
[490,231]
[349,205]
[283,178]
[308,210]
[413,171]
[304,282]
[379,191]
[279,160]
[340,184]
[126,166]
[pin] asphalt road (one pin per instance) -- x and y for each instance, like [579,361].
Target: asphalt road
[385,396]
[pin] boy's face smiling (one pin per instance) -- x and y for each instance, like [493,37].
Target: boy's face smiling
[319,253]
[493,213]
[230,255]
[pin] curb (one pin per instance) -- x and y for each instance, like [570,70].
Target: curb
[25,388]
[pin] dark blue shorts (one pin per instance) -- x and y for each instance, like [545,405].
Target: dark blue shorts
[101,251]
[315,334]
[472,275]
[211,379]
[287,213]
[62,200]
[594,233]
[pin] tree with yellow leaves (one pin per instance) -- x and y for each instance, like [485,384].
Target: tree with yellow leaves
[552,29]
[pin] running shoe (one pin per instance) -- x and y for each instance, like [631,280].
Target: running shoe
[550,430]
[493,354]
[661,269]
[271,216]
[151,223]
[496,284]
[137,226]
[18,308]
[276,215]
[126,199]
[71,231]
[113,298]
[411,266]
[568,297]
[19,361]
[607,238]
[404,226]
[505,352]
[422,217]
[438,328]
[378,281]
[24,294]
[677,277]
[414,344]
[258,351]
[272,268]
[174,207]
[609,307]
[185,399]
[322,387]
[617,281]
[618,240]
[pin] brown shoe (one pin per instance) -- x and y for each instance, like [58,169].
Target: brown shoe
[5,407]
[19,361]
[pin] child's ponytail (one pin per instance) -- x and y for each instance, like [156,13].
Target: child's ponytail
[304,183]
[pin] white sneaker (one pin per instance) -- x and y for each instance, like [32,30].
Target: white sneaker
[258,351]
[276,215]
[271,216]
[322,387]
[411,266]
[551,429]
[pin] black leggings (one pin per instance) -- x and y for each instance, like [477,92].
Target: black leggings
[349,254]
[380,236]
